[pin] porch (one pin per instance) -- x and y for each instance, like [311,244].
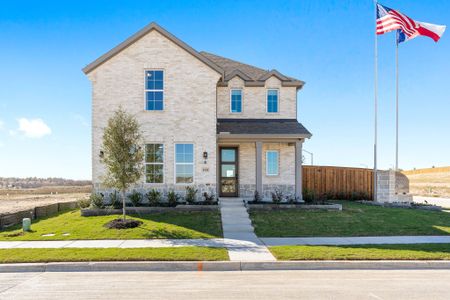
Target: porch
[260,155]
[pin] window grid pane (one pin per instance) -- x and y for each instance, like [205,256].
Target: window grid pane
[236,101]
[272,101]
[154,85]
[184,163]
[154,163]
[272,162]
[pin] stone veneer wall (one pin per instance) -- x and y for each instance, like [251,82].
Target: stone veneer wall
[164,189]
[388,190]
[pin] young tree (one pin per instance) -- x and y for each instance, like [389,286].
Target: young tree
[121,153]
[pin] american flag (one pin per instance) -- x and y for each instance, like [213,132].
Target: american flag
[390,19]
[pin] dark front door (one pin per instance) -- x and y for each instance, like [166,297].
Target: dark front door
[229,172]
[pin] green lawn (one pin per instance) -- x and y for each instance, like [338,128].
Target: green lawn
[355,220]
[112,254]
[174,225]
[363,252]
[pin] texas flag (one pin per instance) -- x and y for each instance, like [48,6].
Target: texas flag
[389,19]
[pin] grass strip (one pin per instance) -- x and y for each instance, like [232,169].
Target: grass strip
[112,254]
[364,252]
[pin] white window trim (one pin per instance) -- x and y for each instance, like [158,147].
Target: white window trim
[146,90]
[267,100]
[267,162]
[175,163]
[155,163]
[242,100]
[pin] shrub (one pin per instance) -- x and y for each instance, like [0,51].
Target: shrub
[277,197]
[114,199]
[256,197]
[209,199]
[309,196]
[291,199]
[190,194]
[96,200]
[154,197]
[84,203]
[135,198]
[172,198]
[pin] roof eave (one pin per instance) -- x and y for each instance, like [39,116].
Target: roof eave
[226,135]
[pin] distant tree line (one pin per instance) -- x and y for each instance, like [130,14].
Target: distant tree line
[35,182]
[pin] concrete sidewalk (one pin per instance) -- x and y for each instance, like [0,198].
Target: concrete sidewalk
[245,246]
[423,239]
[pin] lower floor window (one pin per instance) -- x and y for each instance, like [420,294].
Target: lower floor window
[154,163]
[184,163]
[272,160]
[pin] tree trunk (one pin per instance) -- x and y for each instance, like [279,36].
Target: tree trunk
[123,204]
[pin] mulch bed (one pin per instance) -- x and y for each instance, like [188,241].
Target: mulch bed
[123,224]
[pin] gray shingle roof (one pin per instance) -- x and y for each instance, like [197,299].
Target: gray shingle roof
[262,126]
[232,67]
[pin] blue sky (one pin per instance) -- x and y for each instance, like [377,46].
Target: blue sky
[45,98]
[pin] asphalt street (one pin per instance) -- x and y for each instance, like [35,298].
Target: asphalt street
[311,284]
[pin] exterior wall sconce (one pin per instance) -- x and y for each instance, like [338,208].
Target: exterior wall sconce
[101,154]
[205,156]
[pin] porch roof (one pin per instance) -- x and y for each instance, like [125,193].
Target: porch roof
[261,127]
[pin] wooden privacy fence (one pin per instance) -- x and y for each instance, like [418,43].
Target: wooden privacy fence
[338,182]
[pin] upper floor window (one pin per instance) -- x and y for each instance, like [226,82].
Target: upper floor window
[154,163]
[272,163]
[272,101]
[236,101]
[184,163]
[154,89]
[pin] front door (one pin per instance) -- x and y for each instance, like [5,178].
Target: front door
[228,172]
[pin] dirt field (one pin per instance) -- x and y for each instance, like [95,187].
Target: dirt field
[430,182]
[17,200]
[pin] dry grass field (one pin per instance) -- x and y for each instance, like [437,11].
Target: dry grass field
[12,200]
[434,182]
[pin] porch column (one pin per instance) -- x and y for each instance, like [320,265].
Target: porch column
[259,168]
[298,170]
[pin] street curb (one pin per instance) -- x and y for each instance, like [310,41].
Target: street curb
[221,266]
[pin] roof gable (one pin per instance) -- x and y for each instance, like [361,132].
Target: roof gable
[253,76]
[132,39]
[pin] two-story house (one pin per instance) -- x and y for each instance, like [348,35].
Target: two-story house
[223,126]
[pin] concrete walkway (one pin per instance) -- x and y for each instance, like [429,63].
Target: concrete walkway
[237,227]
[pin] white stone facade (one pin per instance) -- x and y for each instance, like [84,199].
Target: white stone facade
[189,113]
[193,101]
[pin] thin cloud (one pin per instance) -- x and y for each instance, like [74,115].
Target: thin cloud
[32,128]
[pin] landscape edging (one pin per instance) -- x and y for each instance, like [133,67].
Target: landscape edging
[90,212]
[271,206]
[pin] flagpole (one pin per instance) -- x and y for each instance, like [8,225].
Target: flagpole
[375,179]
[396,100]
